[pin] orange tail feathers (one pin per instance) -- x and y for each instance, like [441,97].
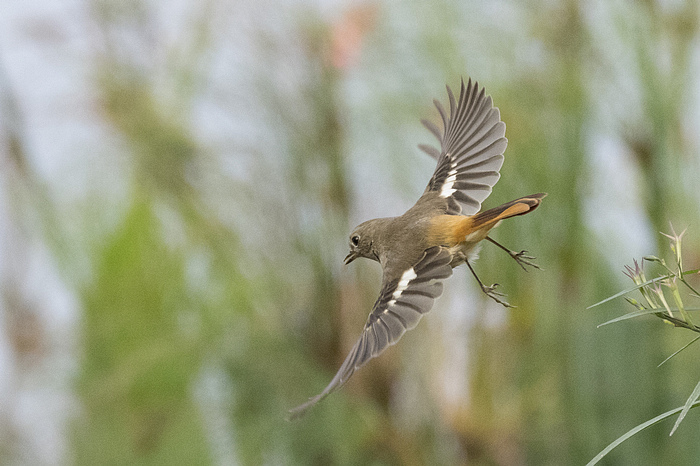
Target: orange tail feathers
[520,206]
[450,230]
[477,227]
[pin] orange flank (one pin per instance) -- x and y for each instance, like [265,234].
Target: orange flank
[448,230]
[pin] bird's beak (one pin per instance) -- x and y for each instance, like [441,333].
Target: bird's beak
[350,257]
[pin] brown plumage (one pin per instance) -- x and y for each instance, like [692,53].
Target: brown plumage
[418,249]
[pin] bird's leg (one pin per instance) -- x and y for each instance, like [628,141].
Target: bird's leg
[520,257]
[489,290]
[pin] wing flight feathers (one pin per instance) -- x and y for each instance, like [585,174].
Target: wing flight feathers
[472,144]
[401,304]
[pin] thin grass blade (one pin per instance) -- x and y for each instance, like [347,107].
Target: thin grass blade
[684,347]
[688,404]
[642,312]
[629,290]
[636,287]
[635,431]
[632,315]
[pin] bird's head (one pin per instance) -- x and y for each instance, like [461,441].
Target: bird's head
[363,241]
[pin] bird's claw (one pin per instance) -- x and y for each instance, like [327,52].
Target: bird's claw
[523,259]
[491,292]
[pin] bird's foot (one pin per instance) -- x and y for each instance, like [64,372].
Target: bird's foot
[491,292]
[523,259]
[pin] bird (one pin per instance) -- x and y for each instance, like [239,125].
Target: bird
[418,250]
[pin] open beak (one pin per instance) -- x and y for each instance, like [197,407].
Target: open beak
[350,257]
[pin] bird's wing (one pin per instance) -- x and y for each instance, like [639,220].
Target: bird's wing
[472,143]
[401,304]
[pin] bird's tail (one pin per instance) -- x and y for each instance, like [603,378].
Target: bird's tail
[450,230]
[475,228]
[520,206]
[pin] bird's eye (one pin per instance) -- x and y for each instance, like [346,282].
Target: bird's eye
[355,240]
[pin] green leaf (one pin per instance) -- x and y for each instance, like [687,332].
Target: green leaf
[688,404]
[684,347]
[632,315]
[641,285]
[635,431]
[643,312]
[629,290]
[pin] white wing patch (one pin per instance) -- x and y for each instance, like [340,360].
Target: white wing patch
[406,278]
[447,190]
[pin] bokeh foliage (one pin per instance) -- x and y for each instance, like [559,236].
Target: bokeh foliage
[221,259]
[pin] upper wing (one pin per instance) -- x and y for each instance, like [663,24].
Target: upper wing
[472,144]
[401,304]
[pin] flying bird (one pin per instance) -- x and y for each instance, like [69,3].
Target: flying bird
[419,249]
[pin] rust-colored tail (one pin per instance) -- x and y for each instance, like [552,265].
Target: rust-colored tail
[520,206]
[477,227]
[449,230]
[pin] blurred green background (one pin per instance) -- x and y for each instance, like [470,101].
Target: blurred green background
[178,180]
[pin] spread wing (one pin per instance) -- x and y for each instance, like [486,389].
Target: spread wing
[401,304]
[472,145]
